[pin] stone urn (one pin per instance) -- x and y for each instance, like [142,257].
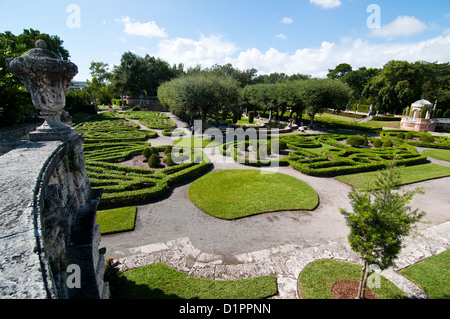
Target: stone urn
[47,78]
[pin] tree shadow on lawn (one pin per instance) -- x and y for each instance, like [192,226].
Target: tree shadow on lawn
[122,288]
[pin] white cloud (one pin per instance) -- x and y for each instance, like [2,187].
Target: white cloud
[148,29]
[402,26]
[327,4]
[356,52]
[206,51]
[287,20]
[281,36]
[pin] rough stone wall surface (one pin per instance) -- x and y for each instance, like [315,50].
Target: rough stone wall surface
[43,187]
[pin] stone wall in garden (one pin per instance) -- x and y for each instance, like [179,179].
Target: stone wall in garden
[49,240]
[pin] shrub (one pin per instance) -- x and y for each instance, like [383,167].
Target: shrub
[168,150]
[154,161]
[401,135]
[168,160]
[388,143]
[409,136]
[282,145]
[427,138]
[153,150]
[251,117]
[356,140]
[147,153]
[235,118]
[377,143]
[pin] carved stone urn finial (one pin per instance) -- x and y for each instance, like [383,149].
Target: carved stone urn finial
[47,78]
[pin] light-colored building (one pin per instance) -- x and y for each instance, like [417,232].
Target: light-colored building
[419,117]
[78,85]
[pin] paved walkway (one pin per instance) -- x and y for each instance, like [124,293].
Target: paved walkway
[176,232]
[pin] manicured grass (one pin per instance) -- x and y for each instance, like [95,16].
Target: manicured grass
[318,278]
[439,154]
[196,142]
[159,281]
[234,194]
[409,175]
[116,220]
[381,124]
[432,274]
[337,117]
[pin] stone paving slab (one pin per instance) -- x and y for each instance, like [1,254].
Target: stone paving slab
[286,261]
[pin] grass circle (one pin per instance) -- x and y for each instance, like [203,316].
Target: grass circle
[233,194]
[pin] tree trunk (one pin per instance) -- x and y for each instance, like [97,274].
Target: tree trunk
[203,121]
[363,281]
[311,123]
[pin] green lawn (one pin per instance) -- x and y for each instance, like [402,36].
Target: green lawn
[116,220]
[318,278]
[439,154]
[409,175]
[432,275]
[337,117]
[234,194]
[196,142]
[159,281]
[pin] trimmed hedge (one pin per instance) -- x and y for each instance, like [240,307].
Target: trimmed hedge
[418,139]
[126,185]
[335,159]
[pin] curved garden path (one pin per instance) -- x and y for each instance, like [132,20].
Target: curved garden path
[176,232]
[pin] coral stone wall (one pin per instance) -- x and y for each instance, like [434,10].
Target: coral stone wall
[47,223]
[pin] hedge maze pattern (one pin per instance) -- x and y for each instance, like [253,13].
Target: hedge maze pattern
[110,140]
[334,158]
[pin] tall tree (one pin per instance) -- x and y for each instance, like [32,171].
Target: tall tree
[379,222]
[340,71]
[242,77]
[397,86]
[142,75]
[203,92]
[100,85]
[320,94]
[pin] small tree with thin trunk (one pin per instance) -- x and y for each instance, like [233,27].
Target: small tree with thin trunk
[380,220]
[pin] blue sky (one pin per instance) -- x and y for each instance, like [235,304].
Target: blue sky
[290,36]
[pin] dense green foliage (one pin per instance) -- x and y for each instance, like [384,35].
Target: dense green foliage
[397,85]
[199,93]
